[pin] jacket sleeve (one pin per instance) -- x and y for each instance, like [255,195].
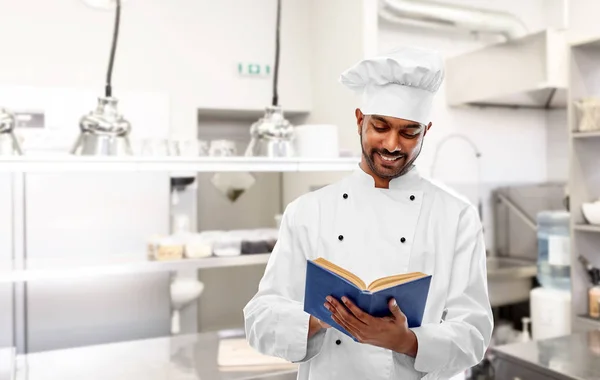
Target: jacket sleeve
[460,342]
[275,321]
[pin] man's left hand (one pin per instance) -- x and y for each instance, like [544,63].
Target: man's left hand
[390,332]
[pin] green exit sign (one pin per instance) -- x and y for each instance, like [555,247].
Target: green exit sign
[254,69]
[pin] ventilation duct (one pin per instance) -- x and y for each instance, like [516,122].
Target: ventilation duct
[438,15]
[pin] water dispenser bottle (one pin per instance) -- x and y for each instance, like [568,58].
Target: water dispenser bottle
[554,250]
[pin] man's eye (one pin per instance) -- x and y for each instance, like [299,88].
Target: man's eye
[412,132]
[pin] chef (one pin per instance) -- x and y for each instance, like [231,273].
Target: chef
[383,219]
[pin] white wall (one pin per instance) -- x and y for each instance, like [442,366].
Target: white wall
[188,49]
[557,150]
[341,33]
[582,16]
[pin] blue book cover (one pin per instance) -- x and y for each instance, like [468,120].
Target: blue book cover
[326,279]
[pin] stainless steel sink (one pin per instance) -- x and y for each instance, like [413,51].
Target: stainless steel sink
[509,280]
[510,268]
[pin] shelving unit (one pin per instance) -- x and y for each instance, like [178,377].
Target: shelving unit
[68,268]
[586,228]
[585,135]
[67,163]
[32,282]
[584,181]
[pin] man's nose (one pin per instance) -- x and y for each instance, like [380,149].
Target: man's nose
[392,142]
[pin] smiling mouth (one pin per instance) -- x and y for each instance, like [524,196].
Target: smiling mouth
[389,158]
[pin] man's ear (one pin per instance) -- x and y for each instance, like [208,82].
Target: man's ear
[359,119]
[427,129]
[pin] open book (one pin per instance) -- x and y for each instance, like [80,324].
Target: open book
[324,278]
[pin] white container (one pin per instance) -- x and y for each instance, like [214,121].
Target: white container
[589,114]
[203,244]
[198,246]
[591,212]
[316,141]
[228,244]
[550,313]
[152,245]
[169,248]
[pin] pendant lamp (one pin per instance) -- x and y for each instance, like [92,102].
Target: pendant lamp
[9,145]
[104,131]
[272,135]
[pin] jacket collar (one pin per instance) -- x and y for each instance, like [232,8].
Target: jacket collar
[408,180]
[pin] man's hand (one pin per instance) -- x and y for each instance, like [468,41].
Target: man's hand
[315,325]
[388,332]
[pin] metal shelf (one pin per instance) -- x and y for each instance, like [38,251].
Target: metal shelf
[587,228]
[67,163]
[584,135]
[584,81]
[588,322]
[64,268]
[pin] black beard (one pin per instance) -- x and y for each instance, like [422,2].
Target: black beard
[370,159]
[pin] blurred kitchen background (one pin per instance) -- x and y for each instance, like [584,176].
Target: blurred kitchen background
[158,265]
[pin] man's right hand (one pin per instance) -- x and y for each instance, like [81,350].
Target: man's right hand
[315,325]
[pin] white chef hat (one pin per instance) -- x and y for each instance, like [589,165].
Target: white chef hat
[400,83]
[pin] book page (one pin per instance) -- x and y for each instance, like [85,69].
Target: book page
[390,281]
[341,272]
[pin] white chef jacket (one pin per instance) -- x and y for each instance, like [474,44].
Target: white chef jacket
[413,226]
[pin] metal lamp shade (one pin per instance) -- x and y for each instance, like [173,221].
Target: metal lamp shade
[272,135]
[104,132]
[9,145]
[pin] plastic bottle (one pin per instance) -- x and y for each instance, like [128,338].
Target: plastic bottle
[525,336]
[554,250]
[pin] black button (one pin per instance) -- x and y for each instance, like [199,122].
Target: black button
[338,342]
[341,237]
[412,197]
[402,240]
[345,196]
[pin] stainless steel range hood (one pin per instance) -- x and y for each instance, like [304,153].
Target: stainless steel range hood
[528,72]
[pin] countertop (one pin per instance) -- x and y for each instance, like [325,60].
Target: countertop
[7,356]
[182,357]
[571,357]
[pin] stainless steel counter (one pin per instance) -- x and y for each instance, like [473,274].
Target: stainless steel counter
[572,357]
[184,357]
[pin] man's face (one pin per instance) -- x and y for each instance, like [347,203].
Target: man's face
[389,145]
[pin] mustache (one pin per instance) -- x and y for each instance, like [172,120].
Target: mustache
[388,153]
